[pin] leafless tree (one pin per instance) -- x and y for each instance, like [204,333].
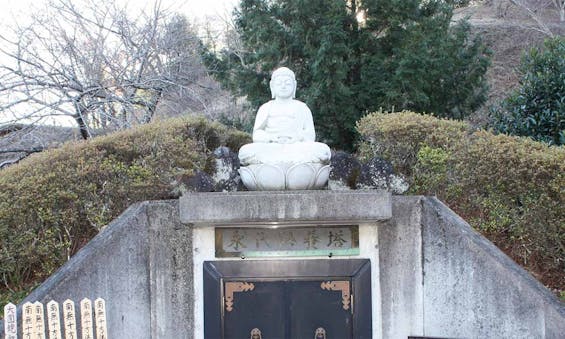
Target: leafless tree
[101,65]
[560,6]
[537,11]
[531,8]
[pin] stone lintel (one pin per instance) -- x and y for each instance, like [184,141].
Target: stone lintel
[285,207]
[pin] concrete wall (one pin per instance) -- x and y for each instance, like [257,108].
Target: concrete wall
[440,278]
[141,265]
[400,267]
[435,276]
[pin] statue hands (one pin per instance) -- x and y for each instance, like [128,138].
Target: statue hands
[278,138]
[283,139]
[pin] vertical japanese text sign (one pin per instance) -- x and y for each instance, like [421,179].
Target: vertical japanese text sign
[69,319]
[10,321]
[27,321]
[38,321]
[53,320]
[100,314]
[86,319]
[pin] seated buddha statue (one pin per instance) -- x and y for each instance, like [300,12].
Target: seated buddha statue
[284,154]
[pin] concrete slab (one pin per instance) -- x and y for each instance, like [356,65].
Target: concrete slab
[439,278]
[400,270]
[247,208]
[473,290]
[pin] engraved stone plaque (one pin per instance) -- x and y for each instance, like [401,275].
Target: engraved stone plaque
[273,241]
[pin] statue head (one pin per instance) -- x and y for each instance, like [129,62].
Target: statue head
[283,83]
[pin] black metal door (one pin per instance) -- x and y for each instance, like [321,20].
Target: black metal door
[282,309]
[254,307]
[320,309]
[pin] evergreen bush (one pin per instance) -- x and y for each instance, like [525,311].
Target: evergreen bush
[354,57]
[512,189]
[537,108]
[52,203]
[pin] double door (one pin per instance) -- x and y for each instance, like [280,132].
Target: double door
[279,309]
[287,299]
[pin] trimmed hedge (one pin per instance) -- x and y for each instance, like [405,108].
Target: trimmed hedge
[54,202]
[512,189]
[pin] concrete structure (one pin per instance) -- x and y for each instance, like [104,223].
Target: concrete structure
[432,275]
[141,265]
[440,278]
[285,207]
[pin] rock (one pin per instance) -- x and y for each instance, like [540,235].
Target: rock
[199,182]
[226,176]
[345,171]
[397,184]
[375,174]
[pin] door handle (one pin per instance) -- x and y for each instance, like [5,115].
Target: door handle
[320,333]
[255,334]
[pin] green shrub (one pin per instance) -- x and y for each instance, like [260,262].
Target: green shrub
[431,170]
[398,137]
[510,188]
[537,108]
[54,202]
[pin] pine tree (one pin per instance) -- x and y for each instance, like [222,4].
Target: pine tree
[352,57]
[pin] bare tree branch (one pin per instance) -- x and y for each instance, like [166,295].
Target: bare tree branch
[541,25]
[98,64]
[560,6]
[22,150]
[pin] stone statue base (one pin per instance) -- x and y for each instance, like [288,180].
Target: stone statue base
[278,177]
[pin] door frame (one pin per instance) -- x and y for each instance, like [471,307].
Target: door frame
[358,270]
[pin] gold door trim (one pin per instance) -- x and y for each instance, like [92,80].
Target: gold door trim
[342,286]
[235,286]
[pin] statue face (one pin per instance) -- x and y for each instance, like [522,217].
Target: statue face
[283,87]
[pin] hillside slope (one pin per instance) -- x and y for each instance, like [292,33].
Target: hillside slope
[509,30]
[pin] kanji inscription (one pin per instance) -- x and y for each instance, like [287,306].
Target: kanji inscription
[287,241]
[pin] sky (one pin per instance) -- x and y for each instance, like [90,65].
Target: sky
[12,11]
[17,9]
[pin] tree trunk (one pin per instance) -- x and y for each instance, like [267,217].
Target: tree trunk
[562,13]
[151,107]
[83,128]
